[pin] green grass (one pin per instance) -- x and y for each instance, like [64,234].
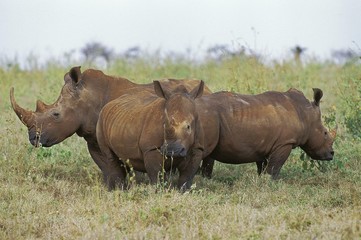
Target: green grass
[57,192]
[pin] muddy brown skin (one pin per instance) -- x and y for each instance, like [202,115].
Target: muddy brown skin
[140,126]
[78,106]
[262,128]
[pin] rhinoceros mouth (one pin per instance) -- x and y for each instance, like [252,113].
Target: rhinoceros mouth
[40,139]
[326,157]
[173,150]
[35,136]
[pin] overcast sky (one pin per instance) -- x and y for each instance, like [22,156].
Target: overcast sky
[270,27]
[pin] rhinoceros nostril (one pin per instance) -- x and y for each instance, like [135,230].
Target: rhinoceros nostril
[183,152]
[332,153]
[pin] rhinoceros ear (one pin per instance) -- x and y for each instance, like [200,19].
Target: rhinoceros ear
[317,95]
[74,75]
[197,91]
[160,91]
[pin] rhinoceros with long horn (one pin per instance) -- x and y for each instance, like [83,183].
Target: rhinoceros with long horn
[77,108]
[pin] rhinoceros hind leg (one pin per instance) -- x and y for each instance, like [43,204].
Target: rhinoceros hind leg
[115,175]
[113,169]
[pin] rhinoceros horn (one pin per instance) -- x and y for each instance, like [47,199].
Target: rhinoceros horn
[41,106]
[333,132]
[24,115]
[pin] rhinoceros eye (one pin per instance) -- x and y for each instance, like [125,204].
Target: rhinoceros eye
[56,115]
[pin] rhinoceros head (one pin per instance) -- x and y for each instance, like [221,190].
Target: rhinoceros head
[319,142]
[51,124]
[180,118]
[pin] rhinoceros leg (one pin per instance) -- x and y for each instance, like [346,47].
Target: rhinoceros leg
[96,154]
[115,175]
[153,162]
[261,166]
[207,167]
[188,168]
[113,170]
[276,160]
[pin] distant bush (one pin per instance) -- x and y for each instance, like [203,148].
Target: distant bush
[94,50]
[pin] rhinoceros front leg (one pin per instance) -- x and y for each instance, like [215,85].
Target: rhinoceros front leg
[276,160]
[113,169]
[153,162]
[261,166]
[207,167]
[188,168]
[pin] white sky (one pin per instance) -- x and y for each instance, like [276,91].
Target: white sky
[271,27]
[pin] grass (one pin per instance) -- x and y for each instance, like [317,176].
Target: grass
[57,192]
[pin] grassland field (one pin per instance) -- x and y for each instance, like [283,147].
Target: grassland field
[57,192]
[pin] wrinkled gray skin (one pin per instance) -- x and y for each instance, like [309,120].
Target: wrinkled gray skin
[262,128]
[77,108]
[140,127]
